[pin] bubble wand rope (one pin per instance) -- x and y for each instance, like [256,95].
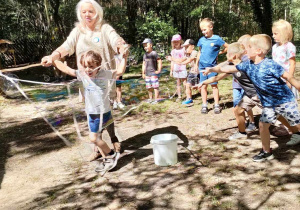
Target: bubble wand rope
[67,142]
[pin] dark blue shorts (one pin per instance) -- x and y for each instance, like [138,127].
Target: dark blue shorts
[94,121]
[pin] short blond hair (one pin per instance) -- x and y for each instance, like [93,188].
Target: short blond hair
[236,48]
[206,21]
[284,29]
[261,41]
[244,39]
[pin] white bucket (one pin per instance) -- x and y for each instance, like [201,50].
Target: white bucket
[164,149]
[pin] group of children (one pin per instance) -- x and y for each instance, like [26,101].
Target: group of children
[257,81]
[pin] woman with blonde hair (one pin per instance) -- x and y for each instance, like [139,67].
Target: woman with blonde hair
[91,32]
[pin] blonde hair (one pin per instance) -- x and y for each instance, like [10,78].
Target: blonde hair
[261,41]
[99,14]
[90,57]
[244,39]
[236,48]
[284,29]
[206,21]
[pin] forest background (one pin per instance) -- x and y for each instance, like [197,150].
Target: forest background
[42,25]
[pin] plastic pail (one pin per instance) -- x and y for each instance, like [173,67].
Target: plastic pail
[164,149]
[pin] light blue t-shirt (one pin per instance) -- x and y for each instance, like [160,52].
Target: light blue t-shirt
[266,77]
[210,48]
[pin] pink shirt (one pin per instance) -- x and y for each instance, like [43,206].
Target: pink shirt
[282,53]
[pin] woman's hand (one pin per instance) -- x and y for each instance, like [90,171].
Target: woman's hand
[47,61]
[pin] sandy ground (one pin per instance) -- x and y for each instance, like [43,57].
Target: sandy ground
[38,171]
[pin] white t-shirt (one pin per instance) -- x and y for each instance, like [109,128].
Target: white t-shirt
[96,91]
[282,53]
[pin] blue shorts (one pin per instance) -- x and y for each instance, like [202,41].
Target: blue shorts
[94,121]
[237,95]
[205,77]
[288,110]
[119,81]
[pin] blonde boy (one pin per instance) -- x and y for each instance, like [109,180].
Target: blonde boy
[276,97]
[209,49]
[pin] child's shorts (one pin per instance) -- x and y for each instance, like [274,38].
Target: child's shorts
[237,94]
[206,77]
[94,121]
[248,103]
[193,79]
[180,74]
[288,110]
[119,82]
[151,82]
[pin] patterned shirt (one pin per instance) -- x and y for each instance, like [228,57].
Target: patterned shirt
[266,77]
[178,54]
[282,53]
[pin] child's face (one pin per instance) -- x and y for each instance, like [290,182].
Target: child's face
[276,35]
[177,43]
[89,69]
[189,48]
[147,47]
[207,29]
[252,51]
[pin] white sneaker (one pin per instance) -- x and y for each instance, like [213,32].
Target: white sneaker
[115,105]
[120,105]
[295,139]
[251,127]
[237,136]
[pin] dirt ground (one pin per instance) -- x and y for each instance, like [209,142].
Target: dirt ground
[38,171]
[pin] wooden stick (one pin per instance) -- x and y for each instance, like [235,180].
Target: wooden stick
[20,68]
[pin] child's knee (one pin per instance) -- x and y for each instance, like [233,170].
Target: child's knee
[214,86]
[93,137]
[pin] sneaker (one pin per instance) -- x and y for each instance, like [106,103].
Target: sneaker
[295,139]
[238,136]
[115,105]
[187,101]
[108,163]
[204,110]
[251,127]
[262,156]
[120,105]
[94,156]
[217,109]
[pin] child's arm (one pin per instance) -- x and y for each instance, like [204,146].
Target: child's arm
[216,68]
[213,79]
[291,79]
[224,50]
[292,62]
[187,61]
[198,58]
[64,68]
[171,70]
[159,66]
[144,70]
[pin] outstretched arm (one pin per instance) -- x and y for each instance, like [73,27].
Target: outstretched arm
[64,68]
[291,79]
[216,68]
[213,79]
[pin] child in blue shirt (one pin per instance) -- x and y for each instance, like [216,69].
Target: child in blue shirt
[276,97]
[209,49]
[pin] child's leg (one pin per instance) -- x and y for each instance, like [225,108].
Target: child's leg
[240,117]
[265,136]
[188,91]
[156,94]
[204,94]
[150,93]
[114,139]
[178,83]
[102,146]
[119,93]
[215,93]
[251,116]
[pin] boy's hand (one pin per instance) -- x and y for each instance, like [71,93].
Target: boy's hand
[157,72]
[47,61]
[199,86]
[169,58]
[207,71]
